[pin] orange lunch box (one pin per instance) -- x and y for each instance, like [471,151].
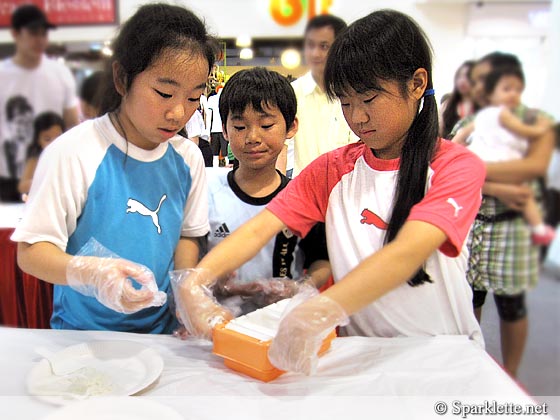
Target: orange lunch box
[249,355]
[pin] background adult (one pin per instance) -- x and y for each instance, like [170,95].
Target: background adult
[322,126]
[459,104]
[503,259]
[31,84]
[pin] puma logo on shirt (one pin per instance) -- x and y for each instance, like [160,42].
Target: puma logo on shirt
[370,218]
[456,206]
[135,206]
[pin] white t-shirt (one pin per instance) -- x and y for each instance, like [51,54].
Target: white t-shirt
[195,126]
[213,107]
[321,124]
[355,199]
[24,94]
[492,142]
[91,183]
[283,256]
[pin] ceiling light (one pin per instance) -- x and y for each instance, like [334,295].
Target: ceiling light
[107,51]
[243,41]
[290,58]
[246,54]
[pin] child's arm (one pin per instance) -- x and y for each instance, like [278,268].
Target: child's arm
[512,195]
[106,279]
[532,166]
[25,182]
[463,134]
[44,261]
[316,255]
[388,268]
[242,245]
[187,252]
[319,271]
[302,330]
[195,306]
[516,126]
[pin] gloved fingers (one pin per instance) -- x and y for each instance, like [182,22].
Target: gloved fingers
[204,322]
[131,294]
[302,357]
[295,348]
[222,284]
[198,310]
[301,332]
[138,272]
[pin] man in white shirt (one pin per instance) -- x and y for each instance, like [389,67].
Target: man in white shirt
[196,132]
[217,140]
[31,84]
[322,126]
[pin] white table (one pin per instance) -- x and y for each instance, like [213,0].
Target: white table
[358,378]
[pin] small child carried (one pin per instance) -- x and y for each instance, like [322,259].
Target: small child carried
[498,135]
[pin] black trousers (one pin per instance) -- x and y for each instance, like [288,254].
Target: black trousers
[9,190]
[218,143]
[204,147]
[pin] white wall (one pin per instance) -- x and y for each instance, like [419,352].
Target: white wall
[456,29]
[551,96]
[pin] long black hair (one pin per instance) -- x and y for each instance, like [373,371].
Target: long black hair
[390,46]
[450,116]
[148,33]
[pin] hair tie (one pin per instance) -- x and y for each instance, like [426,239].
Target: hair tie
[429,92]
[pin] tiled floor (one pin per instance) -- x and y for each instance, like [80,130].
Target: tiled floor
[540,369]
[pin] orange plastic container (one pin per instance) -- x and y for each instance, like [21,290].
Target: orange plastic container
[249,355]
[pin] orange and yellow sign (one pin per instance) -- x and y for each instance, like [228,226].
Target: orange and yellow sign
[290,12]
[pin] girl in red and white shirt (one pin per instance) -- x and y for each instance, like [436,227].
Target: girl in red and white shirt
[397,206]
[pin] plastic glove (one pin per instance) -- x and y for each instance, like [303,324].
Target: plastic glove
[108,280]
[301,333]
[197,308]
[265,292]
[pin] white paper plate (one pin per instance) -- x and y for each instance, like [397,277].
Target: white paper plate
[115,408]
[111,368]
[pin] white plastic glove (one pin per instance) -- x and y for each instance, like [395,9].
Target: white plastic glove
[301,333]
[108,280]
[96,271]
[197,308]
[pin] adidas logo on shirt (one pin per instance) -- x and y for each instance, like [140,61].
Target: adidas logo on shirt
[222,231]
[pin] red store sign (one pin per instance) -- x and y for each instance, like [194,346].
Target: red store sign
[66,12]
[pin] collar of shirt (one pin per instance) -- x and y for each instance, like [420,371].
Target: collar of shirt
[309,85]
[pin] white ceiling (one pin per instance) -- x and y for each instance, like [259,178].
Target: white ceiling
[483,1]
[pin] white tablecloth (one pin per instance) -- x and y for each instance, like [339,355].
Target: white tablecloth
[358,378]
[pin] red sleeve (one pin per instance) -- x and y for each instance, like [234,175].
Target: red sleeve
[305,200]
[454,195]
